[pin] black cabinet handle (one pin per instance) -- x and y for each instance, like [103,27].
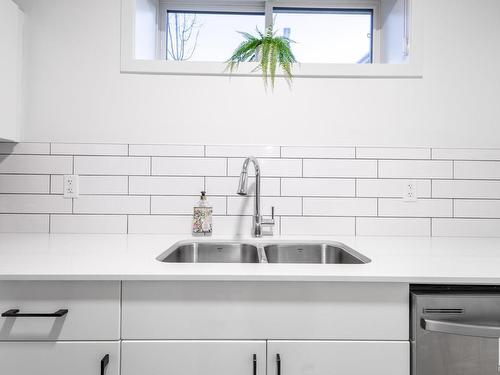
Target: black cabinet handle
[278,363]
[14,313]
[255,364]
[104,364]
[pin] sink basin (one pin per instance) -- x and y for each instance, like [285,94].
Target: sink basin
[312,253]
[210,252]
[262,252]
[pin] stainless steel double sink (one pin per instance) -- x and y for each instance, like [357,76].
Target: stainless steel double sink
[315,252]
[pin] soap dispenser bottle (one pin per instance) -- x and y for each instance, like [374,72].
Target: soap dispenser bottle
[202,217]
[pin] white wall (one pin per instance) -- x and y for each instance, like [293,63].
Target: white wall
[76,93]
[11,22]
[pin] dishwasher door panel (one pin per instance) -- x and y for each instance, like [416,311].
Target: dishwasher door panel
[455,334]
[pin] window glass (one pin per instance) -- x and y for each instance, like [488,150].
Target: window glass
[327,35]
[207,36]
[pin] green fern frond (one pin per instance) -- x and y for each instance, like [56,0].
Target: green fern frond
[269,50]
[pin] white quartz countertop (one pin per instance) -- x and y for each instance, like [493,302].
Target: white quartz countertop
[133,257]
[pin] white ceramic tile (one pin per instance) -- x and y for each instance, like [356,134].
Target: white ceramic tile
[340,168]
[22,184]
[379,226]
[229,185]
[391,188]
[89,149]
[166,150]
[183,205]
[393,153]
[415,169]
[111,204]
[244,151]
[20,223]
[34,204]
[109,224]
[93,185]
[157,185]
[36,164]
[340,206]
[318,226]
[239,226]
[465,154]
[24,148]
[112,165]
[189,166]
[318,152]
[466,228]
[477,208]
[465,189]
[268,167]
[477,170]
[320,187]
[282,205]
[152,224]
[419,208]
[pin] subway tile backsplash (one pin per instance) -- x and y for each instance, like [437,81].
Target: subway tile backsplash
[324,191]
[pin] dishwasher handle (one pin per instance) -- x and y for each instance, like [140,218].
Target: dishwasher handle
[461,329]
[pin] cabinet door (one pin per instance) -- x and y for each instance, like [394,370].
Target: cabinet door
[59,358]
[11,39]
[194,357]
[338,357]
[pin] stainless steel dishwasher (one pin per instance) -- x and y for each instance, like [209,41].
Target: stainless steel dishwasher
[455,330]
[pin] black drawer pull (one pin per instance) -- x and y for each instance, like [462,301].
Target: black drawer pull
[14,313]
[104,364]
[278,363]
[255,364]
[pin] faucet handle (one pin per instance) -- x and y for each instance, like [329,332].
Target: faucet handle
[269,221]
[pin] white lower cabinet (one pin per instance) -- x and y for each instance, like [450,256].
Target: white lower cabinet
[60,358]
[338,358]
[193,357]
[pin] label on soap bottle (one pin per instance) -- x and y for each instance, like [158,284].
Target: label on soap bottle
[202,221]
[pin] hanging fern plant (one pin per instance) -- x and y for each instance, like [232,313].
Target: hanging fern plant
[269,51]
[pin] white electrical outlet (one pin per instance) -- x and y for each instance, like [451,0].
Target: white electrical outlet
[71,186]
[410,194]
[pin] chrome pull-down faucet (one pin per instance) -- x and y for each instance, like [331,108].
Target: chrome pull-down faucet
[258,220]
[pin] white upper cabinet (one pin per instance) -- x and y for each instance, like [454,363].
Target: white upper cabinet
[11,31]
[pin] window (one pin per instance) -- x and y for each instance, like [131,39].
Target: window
[209,32]
[332,38]
[328,35]
[206,36]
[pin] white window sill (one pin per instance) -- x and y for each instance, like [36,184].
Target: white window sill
[410,70]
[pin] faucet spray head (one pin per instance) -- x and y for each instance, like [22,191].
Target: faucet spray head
[243,185]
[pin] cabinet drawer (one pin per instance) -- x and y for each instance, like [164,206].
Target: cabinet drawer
[338,357]
[59,358]
[93,310]
[264,310]
[194,357]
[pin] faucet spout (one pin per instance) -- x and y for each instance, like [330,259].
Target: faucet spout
[258,222]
